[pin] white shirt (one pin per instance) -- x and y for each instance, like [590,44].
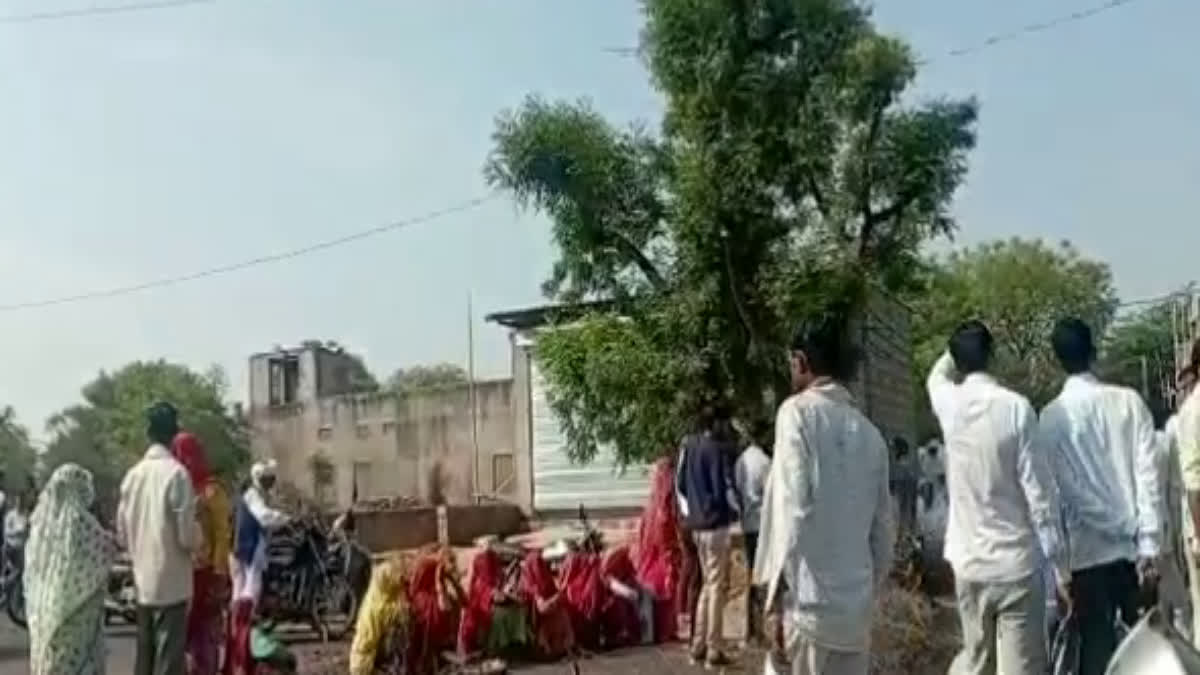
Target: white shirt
[156,520]
[750,475]
[1171,435]
[1170,486]
[16,528]
[827,519]
[1106,460]
[1001,493]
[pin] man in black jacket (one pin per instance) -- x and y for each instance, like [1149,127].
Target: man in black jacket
[707,484]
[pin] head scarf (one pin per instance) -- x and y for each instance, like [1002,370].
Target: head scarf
[384,611]
[260,470]
[67,563]
[190,453]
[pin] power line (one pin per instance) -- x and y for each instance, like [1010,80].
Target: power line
[245,264]
[98,10]
[990,41]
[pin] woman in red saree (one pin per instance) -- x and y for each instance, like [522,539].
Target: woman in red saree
[210,576]
[552,634]
[619,608]
[435,597]
[660,554]
[584,592]
[484,584]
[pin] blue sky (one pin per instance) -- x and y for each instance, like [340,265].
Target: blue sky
[143,145]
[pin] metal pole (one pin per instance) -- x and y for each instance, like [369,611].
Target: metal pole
[1145,379]
[475,488]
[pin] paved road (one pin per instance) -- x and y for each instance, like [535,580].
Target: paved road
[14,650]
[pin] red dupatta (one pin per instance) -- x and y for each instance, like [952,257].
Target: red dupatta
[433,614]
[622,626]
[550,618]
[486,572]
[584,592]
[660,555]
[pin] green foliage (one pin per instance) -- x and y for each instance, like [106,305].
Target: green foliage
[436,376]
[1142,335]
[17,456]
[786,175]
[107,432]
[1019,288]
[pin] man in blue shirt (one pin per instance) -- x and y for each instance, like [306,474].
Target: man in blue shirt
[707,484]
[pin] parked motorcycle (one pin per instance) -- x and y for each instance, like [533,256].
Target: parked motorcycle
[306,580]
[120,601]
[12,587]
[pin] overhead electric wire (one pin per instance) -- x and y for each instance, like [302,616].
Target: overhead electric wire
[992,40]
[245,264]
[98,10]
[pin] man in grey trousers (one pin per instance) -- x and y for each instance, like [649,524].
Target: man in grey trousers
[156,519]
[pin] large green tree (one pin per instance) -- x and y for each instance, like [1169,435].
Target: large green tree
[1139,352]
[106,433]
[790,170]
[1019,288]
[17,456]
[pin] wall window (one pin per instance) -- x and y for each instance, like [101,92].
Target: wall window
[389,428]
[324,433]
[283,379]
[362,431]
[504,473]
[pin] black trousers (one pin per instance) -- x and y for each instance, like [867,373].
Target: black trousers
[754,594]
[1101,594]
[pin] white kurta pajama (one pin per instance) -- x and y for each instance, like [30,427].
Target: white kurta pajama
[1003,504]
[827,534]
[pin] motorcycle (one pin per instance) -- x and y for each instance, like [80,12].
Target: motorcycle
[12,587]
[306,580]
[120,600]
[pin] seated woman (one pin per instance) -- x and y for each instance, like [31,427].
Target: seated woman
[381,633]
[267,652]
[551,622]
[435,597]
[627,610]
[583,591]
[492,621]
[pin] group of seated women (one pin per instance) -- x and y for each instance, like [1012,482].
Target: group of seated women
[415,613]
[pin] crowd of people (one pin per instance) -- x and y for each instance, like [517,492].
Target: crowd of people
[176,522]
[1075,519]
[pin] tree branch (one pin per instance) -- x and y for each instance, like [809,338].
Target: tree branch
[639,259]
[818,196]
[864,195]
[733,291]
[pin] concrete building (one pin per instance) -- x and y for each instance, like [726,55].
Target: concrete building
[335,445]
[497,439]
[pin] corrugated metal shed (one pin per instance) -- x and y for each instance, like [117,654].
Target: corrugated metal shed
[559,483]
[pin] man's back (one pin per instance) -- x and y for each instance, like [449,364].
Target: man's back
[992,477]
[707,480]
[1106,458]
[157,522]
[828,489]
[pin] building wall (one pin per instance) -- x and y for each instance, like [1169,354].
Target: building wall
[884,386]
[392,445]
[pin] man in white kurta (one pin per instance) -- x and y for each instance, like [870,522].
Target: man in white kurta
[826,536]
[1003,506]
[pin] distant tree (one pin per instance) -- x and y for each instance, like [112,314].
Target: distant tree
[1134,339]
[792,167]
[17,456]
[1019,288]
[435,376]
[107,432]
